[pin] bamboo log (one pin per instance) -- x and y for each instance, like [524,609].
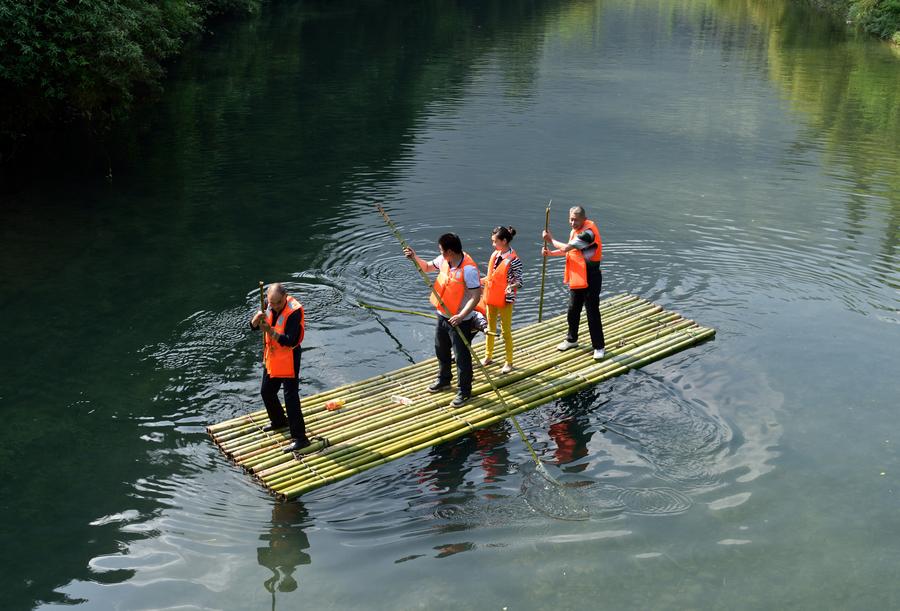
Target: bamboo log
[314,405]
[373,427]
[541,394]
[348,432]
[391,453]
[401,412]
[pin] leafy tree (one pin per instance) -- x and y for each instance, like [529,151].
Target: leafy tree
[86,61]
[880,17]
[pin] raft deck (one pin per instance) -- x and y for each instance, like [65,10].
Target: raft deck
[392,415]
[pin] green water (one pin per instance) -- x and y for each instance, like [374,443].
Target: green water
[743,163]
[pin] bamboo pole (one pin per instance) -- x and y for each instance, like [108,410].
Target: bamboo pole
[262,308]
[397,310]
[543,263]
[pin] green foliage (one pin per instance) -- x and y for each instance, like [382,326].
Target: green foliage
[86,61]
[880,17]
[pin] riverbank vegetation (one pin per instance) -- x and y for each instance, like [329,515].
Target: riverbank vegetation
[879,17]
[83,65]
[71,71]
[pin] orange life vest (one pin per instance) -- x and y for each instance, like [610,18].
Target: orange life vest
[279,360]
[451,286]
[576,267]
[497,279]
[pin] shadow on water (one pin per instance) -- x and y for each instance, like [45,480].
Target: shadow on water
[286,543]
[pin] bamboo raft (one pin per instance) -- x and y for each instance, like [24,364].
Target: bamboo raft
[391,415]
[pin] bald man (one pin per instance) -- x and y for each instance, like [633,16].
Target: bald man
[283,324]
[583,252]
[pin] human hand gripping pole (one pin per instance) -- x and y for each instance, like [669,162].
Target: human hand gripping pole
[462,336]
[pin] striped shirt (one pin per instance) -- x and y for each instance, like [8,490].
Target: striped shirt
[513,273]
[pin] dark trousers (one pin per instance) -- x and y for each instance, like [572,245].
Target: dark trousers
[589,297]
[269,392]
[445,338]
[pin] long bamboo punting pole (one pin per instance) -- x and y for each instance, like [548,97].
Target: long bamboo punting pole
[369,306]
[544,263]
[262,308]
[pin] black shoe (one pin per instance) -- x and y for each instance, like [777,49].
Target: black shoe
[439,386]
[297,445]
[273,427]
[459,400]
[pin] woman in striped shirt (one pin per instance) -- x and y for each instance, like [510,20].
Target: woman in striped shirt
[503,279]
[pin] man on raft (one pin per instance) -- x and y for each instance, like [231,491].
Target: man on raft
[283,324]
[459,286]
[583,252]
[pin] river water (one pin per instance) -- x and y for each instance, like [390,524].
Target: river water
[742,160]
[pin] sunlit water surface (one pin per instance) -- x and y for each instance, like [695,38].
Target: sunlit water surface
[743,163]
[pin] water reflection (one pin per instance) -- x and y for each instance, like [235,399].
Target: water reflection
[449,463]
[286,542]
[463,503]
[571,436]
[848,92]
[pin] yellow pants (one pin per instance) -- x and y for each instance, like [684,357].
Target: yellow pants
[506,323]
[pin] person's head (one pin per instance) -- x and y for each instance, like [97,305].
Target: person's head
[576,217]
[501,237]
[276,296]
[450,245]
